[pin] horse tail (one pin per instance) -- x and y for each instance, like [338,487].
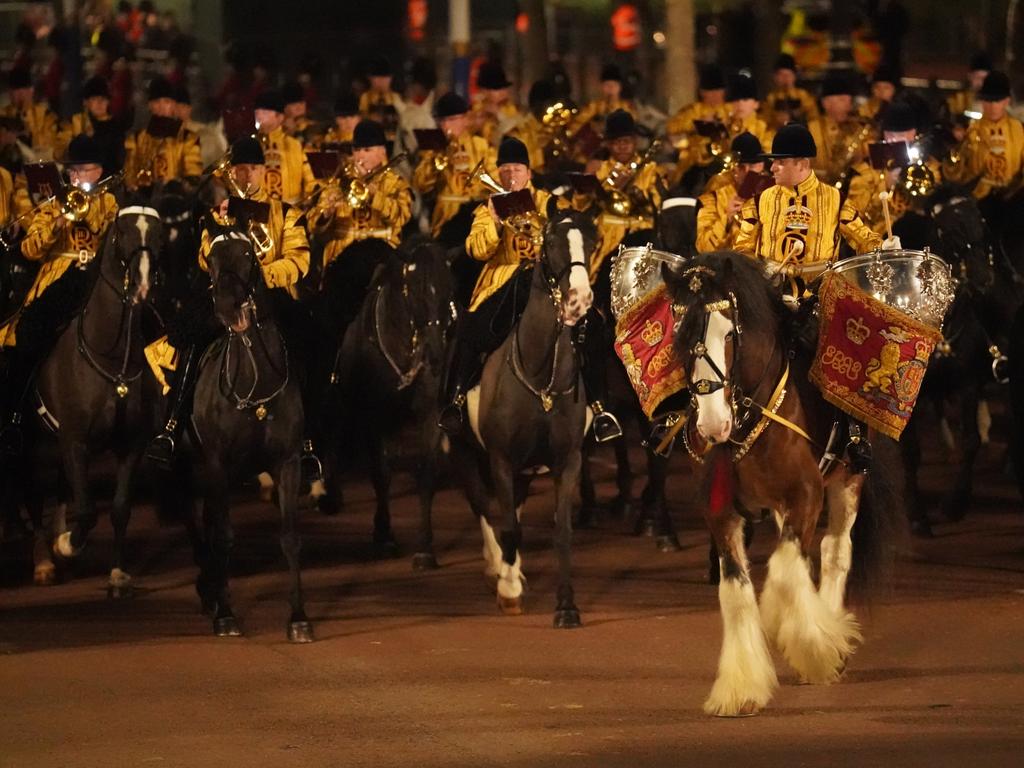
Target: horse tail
[881,525]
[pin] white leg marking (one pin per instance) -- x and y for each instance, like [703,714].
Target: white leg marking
[984,421]
[266,486]
[836,547]
[746,675]
[119,578]
[492,550]
[815,641]
[317,489]
[62,545]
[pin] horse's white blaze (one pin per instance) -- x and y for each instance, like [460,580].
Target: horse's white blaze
[580,295]
[814,640]
[714,414]
[746,675]
[836,546]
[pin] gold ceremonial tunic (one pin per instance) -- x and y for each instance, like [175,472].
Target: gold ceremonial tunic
[535,136]
[168,158]
[808,106]
[384,107]
[450,184]
[80,123]
[58,248]
[755,126]
[6,197]
[801,225]
[992,150]
[599,109]
[716,228]
[491,125]
[500,248]
[865,187]
[961,102]
[289,177]
[693,148]
[335,136]
[834,141]
[869,109]
[41,125]
[647,187]
[288,260]
[382,217]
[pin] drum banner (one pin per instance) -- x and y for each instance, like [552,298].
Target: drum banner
[871,357]
[643,341]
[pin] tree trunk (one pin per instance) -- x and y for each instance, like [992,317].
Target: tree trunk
[680,54]
[535,42]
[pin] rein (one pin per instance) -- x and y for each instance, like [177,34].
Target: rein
[121,379]
[417,357]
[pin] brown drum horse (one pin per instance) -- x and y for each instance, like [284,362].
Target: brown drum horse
[764,435]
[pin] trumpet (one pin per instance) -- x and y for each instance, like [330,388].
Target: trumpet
[841,171]
[529,225]
[618,182]
[75,204]
[259,233]
[555,121]
[357,192]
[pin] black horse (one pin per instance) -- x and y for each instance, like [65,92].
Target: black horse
[975,333]
[386,375]
[247,418]
[91,392]
[530,413]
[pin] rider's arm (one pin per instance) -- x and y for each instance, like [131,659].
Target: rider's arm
[425,177]
[483,239]
[42,233]
[710,224]
[750,229]
[293,262]
[858,234]
[191,156]
[393,200]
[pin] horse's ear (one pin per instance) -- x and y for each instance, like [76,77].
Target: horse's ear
[672,278]
[728,267]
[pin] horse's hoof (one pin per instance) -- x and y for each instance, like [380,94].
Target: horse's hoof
[746,709]
[226,626]
[621,508]
[645,526]
[424,561]
[567,618]
[386,549]
[510,606]
[120,591]
[300,632]
[207,605]
[45,575]
[667,542]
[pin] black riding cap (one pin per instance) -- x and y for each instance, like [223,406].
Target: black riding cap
[159,88]
[19,77]
[611,72]
[711,78]
[292,93]
[492,76]
[181,95]
[836,84]
[346,105]
[792,140]
[899,117]
[746,148]
[247,151]
[618,125]
[83,150]
[513,150]
[450,105]
[785,61]
[95,86]
[270,100]
[380,67]
[368,133]
[981,62]
[741,87]
[996,87]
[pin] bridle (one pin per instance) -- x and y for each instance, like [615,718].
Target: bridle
[121,378]
[228,385]
[547,393]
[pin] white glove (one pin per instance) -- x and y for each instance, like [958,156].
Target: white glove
[773,267]
[892,244]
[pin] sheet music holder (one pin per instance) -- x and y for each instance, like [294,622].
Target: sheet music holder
[243,210]
[711,129]
[163,127]
[584,183]
[885,155]
[754,184]
[324,164]
[512,204]
[238,123]
[341,147]
[44,180]
[587,141]
[430,139]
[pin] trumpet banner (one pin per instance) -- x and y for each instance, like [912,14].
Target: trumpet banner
[643,341]
[871,358]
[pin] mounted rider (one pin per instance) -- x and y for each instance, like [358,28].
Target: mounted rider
[150,158]
[509,252]
[288,176]
[65,247]
[282,249]
[718,219]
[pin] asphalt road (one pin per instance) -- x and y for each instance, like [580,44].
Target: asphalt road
[420,669]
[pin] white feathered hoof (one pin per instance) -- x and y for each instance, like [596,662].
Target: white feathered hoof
[266,487]
[120,586]
[62,546]
[300,632]
[510,606]
[45,574]
[226,626]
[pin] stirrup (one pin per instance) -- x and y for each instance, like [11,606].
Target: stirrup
[660,429]
[161,448]
[606,426]
[309,464]
[453,416]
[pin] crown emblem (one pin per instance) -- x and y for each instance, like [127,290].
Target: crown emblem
[798,217]
[653,332]
[857,331]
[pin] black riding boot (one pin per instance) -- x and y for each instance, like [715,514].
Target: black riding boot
[21,372]
[459,377]
[179,406]
[595,378]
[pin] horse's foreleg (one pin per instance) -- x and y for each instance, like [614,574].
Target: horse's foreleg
[567,615]
[836,545]
[588,496]
[956,505]
[426,482]
[814,638]
[746,676]
[510,583]
[220,539]
[654,496]
[120,584]
[380,474]
[300,630]
[622,504]
[76,468]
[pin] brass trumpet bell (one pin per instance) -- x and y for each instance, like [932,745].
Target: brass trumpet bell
[917,180]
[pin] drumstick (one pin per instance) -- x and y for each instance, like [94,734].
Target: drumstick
[884,197]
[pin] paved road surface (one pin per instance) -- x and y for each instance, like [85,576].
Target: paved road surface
[419,670]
